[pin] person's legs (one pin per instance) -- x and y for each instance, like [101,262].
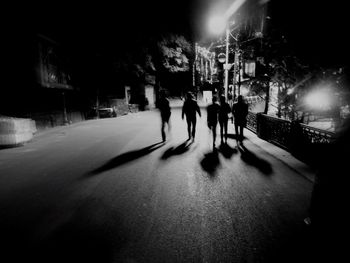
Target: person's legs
[168,122]
[189,128]
[163,130]
[225,130]
[236,129]
[221,131]
[169,125]
[241,133]
[194,128]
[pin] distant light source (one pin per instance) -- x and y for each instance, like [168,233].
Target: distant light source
[217,24]
[321,99]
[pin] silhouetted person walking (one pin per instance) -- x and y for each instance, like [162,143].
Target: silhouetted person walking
[240,112]
[165,112]
[225,109]
[212,117]
[190,108]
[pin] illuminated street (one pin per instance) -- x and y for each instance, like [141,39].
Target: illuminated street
[90,172]
[108,191]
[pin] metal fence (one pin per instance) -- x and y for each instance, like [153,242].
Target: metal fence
[314,135]
[252,122]
[292,136]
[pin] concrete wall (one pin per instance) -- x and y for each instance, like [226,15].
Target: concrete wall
[45,120]
[16,131]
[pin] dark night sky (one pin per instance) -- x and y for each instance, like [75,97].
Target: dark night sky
[317,29]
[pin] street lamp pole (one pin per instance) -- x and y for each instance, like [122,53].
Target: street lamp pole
[226,64]
[234,79]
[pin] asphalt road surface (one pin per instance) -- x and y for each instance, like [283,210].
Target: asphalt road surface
[108,190]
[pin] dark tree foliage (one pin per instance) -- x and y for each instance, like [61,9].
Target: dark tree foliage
[166,57]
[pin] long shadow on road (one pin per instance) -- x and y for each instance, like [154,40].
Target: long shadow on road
[211,162]
[227,151]
[251,159]
[178,150]
[125,158]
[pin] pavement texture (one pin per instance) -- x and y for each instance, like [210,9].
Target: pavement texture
[109,190]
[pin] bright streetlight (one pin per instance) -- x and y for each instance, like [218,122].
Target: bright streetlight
[217,25]
[321,99]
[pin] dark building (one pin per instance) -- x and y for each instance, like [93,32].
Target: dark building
[38,82]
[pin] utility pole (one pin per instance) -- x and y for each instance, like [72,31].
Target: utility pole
[234,75]
[239,71]
[194,67]
[226,64]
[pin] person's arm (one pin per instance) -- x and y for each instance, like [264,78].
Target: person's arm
[198,110]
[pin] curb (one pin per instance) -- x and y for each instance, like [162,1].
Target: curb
[286,157]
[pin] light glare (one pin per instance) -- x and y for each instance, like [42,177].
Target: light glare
[217,25]
[319,100]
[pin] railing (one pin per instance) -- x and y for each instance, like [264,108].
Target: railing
[286,134]
[252,122]
[315,135]
[275,130]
